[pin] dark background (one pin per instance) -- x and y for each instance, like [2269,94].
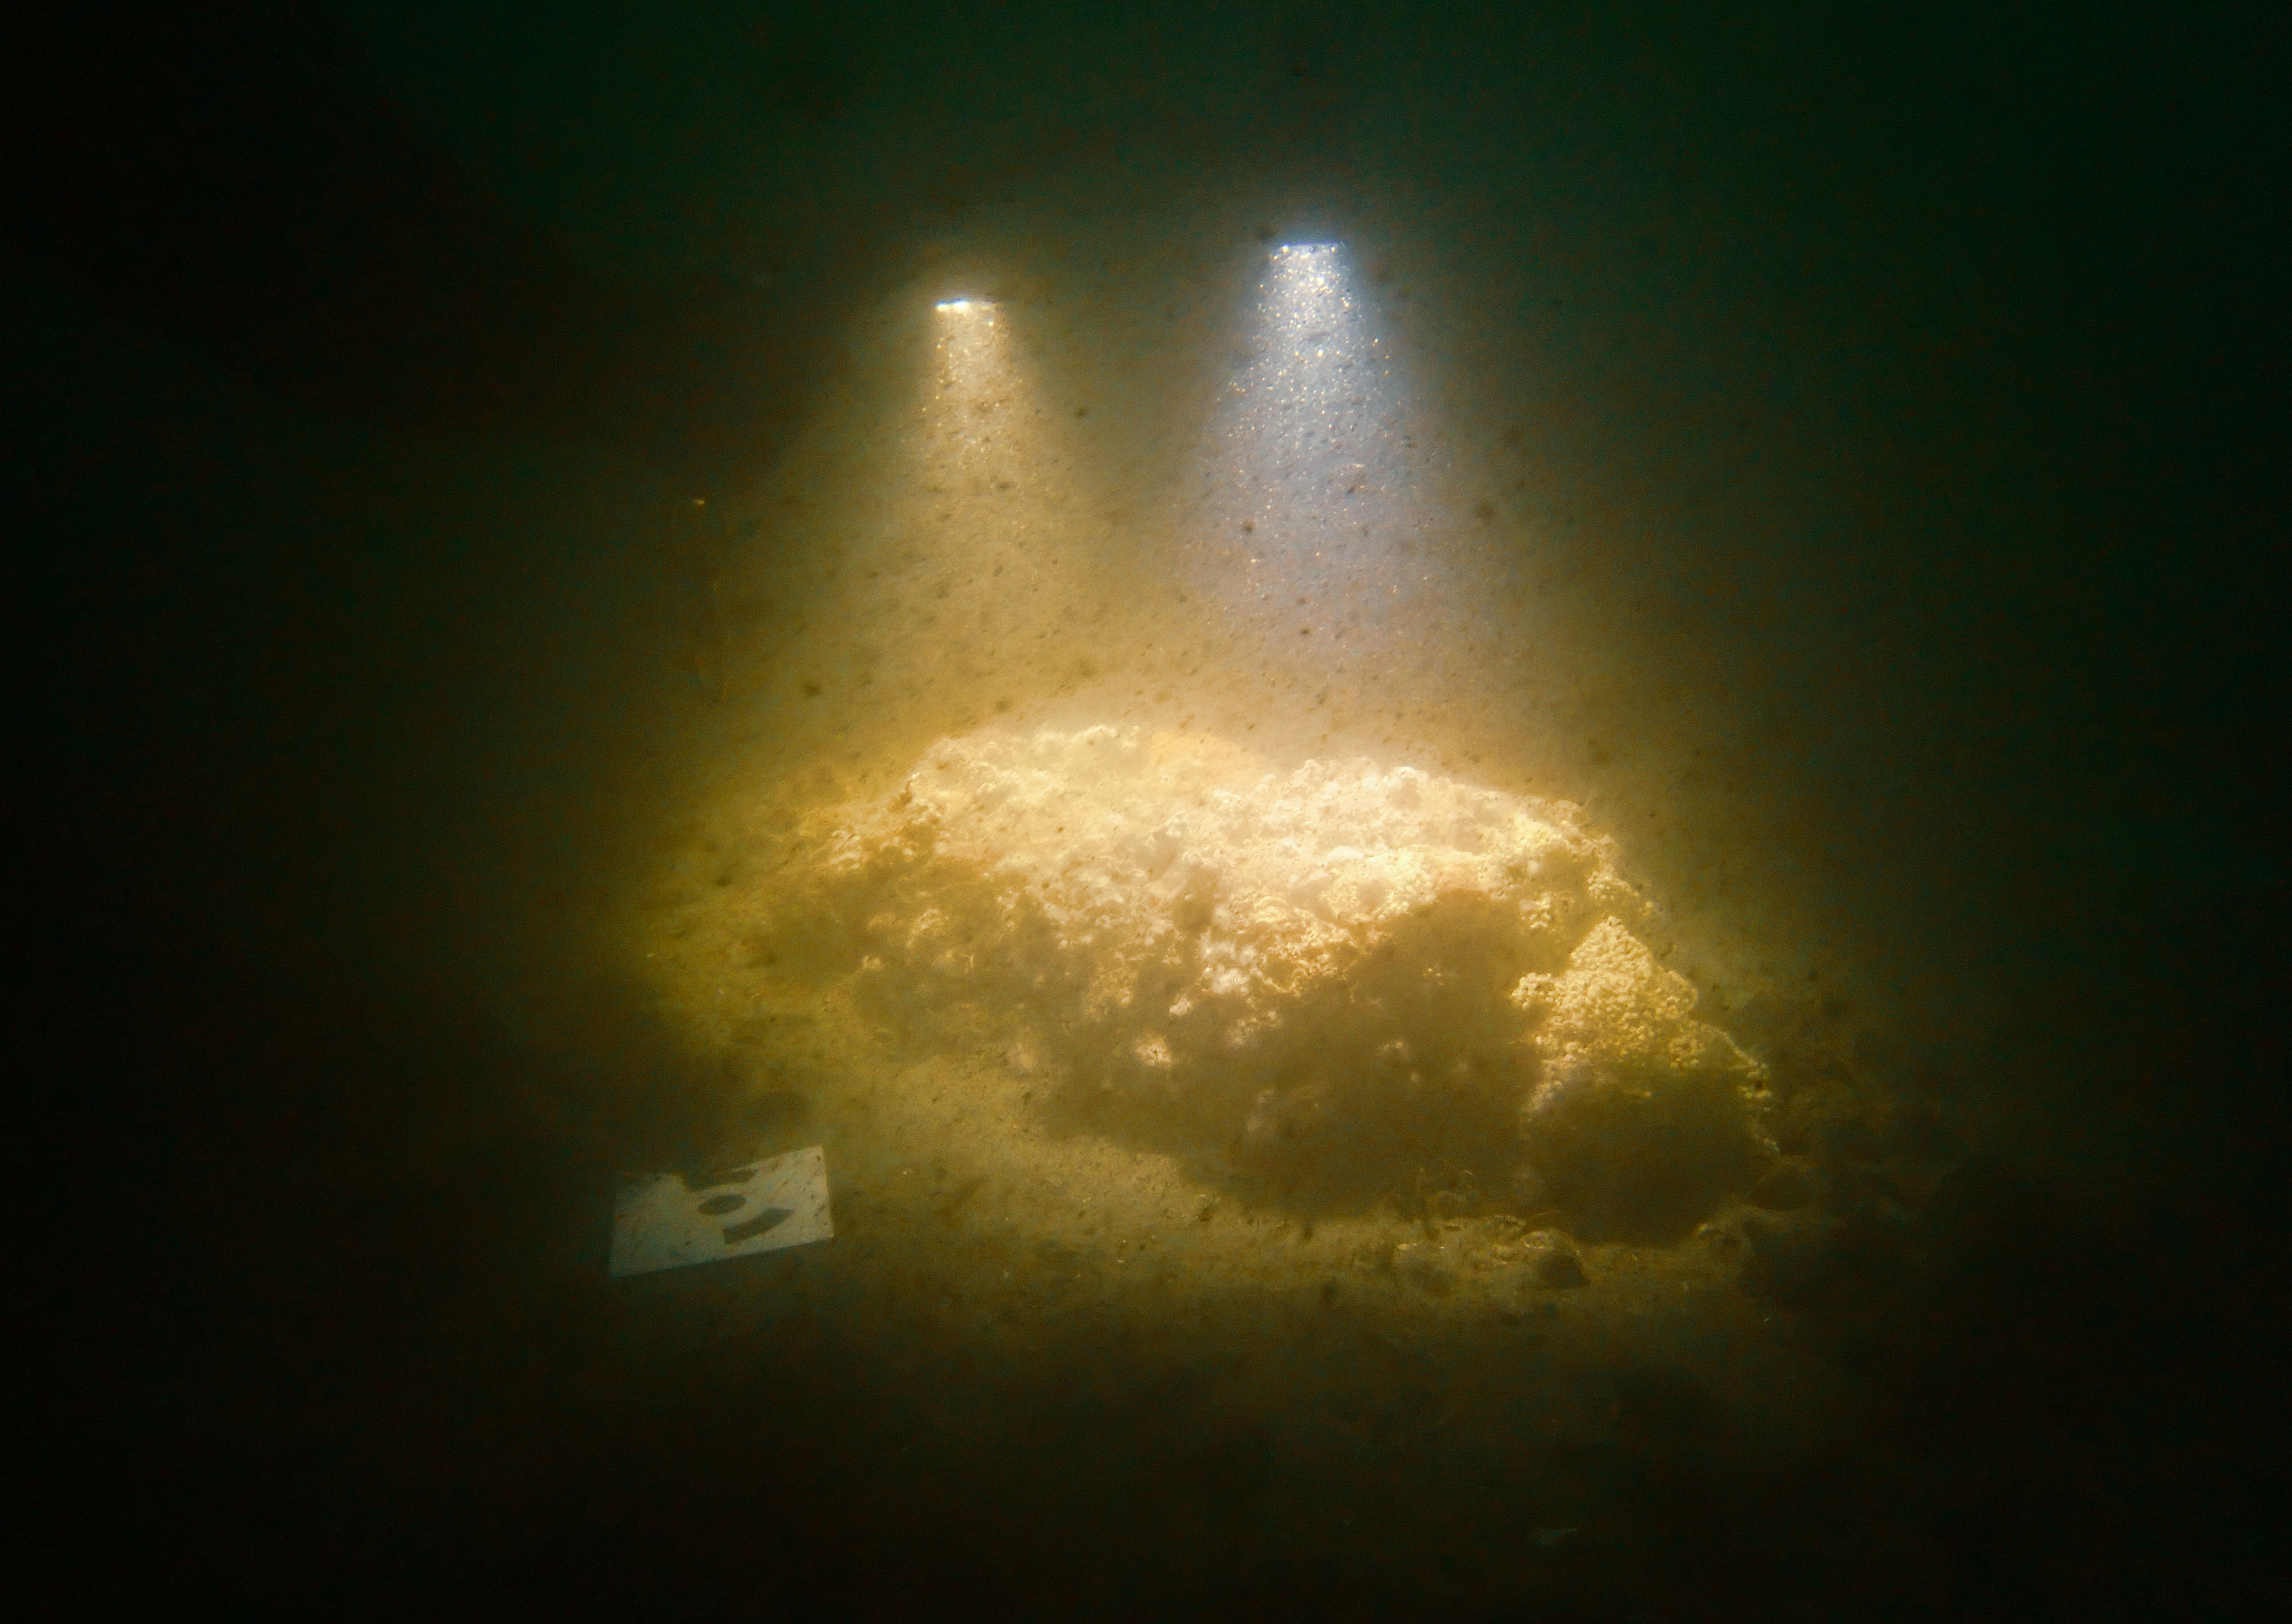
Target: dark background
[334,482]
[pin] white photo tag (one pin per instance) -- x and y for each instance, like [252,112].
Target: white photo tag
[665,1224]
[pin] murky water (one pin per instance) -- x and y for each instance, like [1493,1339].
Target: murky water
[1135,801]
[1467,808]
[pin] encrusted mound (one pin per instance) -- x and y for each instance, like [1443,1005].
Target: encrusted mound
[1330,984]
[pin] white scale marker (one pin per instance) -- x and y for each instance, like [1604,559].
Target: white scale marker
[667,1224]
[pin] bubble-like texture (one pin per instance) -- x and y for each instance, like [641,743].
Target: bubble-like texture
[1323,979]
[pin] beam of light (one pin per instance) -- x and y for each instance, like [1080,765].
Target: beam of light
[978,402]
[1312,519]
[970,344]
[977,515]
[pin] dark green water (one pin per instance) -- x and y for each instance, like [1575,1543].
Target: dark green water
[1850,483]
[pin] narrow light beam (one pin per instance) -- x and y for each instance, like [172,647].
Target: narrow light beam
[1312,512]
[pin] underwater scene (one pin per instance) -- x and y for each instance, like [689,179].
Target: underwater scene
[1167,811]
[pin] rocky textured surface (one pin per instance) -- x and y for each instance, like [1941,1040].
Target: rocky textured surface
[1329,982]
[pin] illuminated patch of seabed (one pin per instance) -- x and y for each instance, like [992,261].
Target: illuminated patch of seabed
[960,1208]
[958,1190]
